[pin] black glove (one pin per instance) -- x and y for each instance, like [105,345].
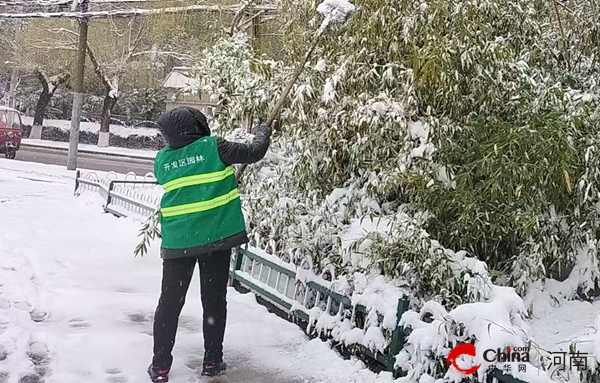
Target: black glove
[261,128]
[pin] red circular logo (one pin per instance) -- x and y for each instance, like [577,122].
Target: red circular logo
[462,349]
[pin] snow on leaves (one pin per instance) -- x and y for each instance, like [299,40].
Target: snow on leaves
[337,11]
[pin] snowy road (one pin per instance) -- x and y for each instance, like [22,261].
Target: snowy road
[76,306]
[87,161]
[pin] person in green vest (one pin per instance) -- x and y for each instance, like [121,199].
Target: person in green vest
[201,221]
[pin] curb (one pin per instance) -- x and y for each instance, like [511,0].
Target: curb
[88,151]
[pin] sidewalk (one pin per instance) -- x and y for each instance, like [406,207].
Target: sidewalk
[92,149]
[77,306]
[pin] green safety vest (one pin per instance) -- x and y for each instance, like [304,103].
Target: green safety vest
[201,204]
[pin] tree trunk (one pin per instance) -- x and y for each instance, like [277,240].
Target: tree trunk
[40,107]
[12,93]
[107,107]
[49,86]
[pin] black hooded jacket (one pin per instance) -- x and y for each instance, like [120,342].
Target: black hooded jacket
[181,127]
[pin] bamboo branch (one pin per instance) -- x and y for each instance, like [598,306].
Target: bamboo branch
[238,16]
[249,21]
[286,91]
[562,32]
[148,232]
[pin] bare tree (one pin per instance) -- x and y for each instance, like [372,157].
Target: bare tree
[36,56]
[109,74]
[9,31]
[49,86]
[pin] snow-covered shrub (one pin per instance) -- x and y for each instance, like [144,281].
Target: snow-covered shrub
[242,84]
[473,121]
[141,103]
[481,129]
[495,323]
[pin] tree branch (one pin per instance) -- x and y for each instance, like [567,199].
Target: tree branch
[177,55]
[64,31]
[59,80]
[141,33]
[133,12]
[41,75]
[98,68]
[238,16]
[246,23]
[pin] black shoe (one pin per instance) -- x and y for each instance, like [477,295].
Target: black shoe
[213,369]
[158,375]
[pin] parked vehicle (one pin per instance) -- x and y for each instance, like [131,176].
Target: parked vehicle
[11,130]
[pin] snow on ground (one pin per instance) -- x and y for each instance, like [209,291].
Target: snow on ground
[555,331]
[557,322]
[94,127]
[142,153]
[76,306]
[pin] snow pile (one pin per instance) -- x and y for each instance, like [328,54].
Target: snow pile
[588,345]
[378,296]
[496,323]
[321,65]
[582,276]
[420,131]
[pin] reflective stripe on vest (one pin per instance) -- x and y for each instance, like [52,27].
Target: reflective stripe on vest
[198,179]
[200,206]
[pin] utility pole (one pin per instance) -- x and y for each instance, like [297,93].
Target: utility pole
[78,88]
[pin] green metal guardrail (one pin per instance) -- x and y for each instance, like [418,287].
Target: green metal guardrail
[277,282]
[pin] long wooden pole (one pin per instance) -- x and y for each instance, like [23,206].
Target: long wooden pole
[286,91]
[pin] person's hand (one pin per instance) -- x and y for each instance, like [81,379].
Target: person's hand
[276,126]
[260,127]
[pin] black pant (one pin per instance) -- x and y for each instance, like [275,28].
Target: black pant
[177,274]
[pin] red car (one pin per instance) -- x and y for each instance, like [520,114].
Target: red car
[11,128]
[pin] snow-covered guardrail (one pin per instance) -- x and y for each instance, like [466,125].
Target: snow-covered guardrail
[348,322]
[122,197]
[302,294]
[294,290]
